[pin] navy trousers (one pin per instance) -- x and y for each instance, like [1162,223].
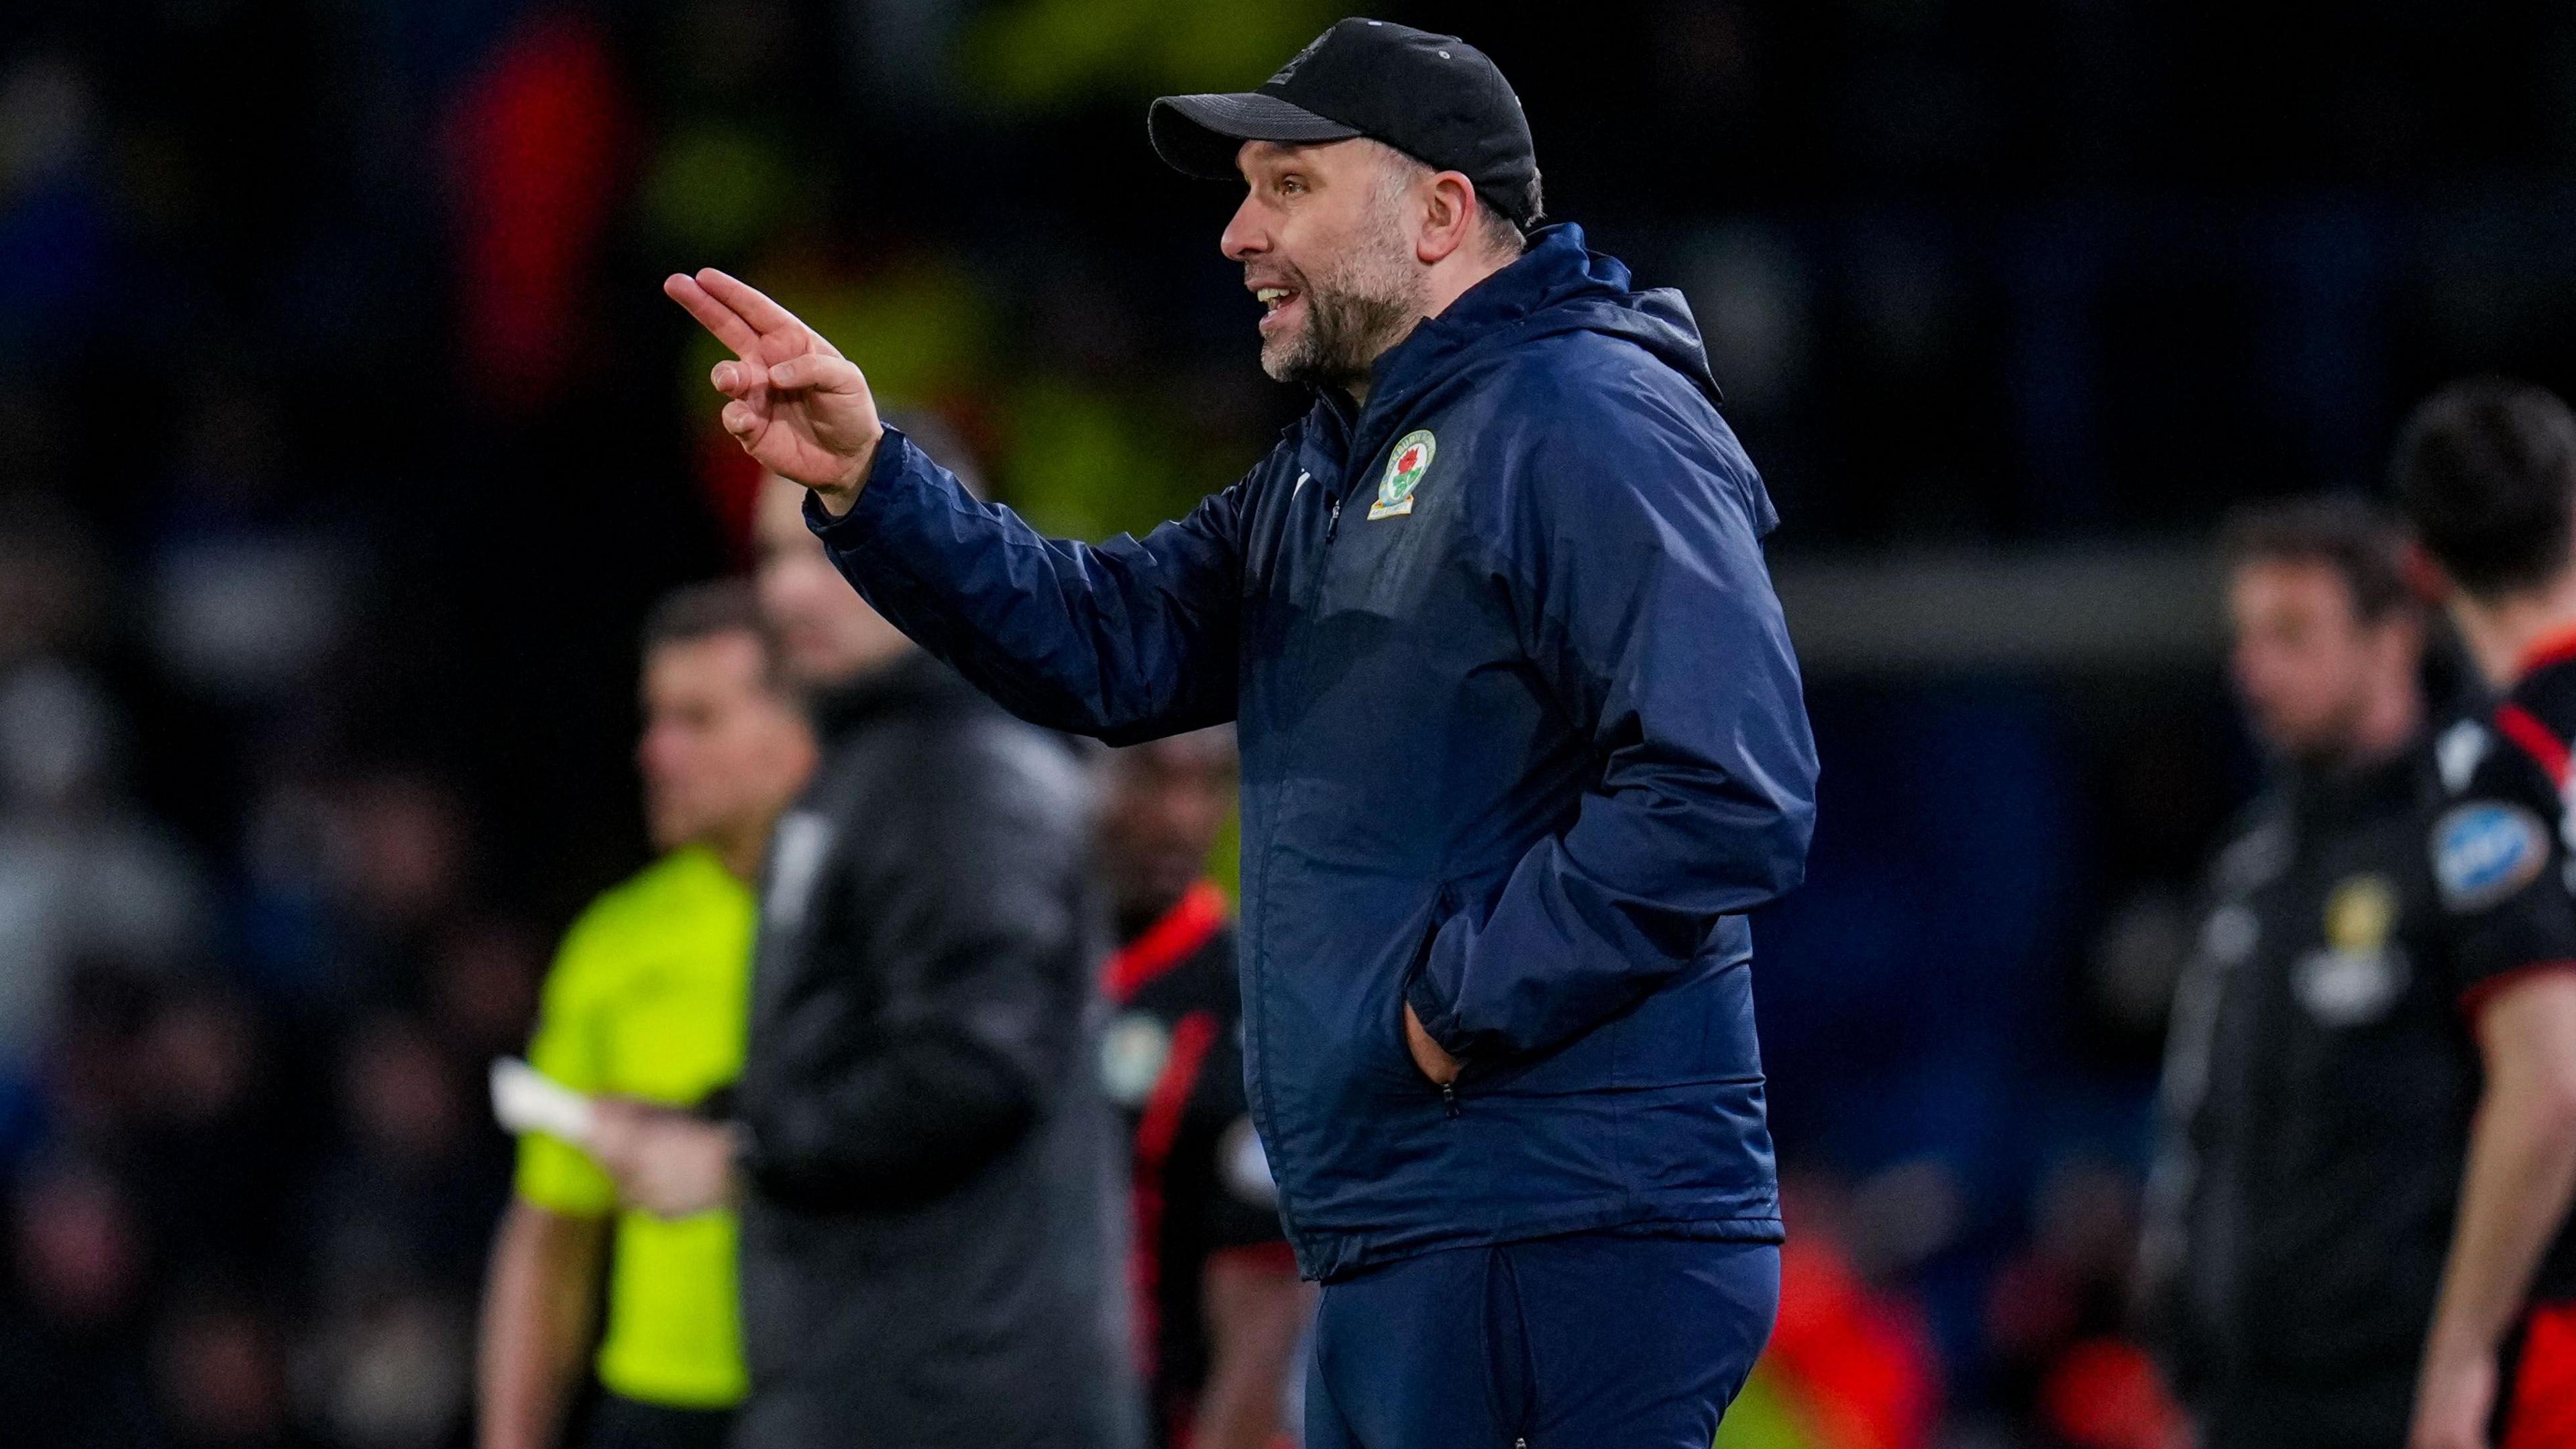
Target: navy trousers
[1594,1341]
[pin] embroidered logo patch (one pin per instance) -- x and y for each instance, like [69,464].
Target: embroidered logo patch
[2485,852]
[1404,469]
[2360,914]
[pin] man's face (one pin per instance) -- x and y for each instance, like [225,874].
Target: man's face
[1325,236]
[2305,663]
[1167,801]
[828,633]
[723,751]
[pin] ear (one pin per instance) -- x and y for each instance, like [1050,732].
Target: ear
[1448,217]
[2425,574]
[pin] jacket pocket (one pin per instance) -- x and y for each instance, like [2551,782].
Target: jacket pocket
[1426,930]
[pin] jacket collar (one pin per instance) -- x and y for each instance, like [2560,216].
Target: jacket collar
[1553,267]
[1557,285]
[2329,795]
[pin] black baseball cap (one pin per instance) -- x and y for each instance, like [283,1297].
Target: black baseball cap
[1433,97]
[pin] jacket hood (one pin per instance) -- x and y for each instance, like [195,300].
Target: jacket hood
[1558,285]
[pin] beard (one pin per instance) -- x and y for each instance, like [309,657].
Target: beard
[1364,304]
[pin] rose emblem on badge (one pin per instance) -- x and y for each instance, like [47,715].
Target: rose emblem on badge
[1404,469]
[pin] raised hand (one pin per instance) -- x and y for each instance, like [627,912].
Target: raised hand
[794,402]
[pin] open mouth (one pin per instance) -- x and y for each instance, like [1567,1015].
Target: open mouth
[1275,302]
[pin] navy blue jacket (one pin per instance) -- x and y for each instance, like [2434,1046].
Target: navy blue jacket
[1522,740]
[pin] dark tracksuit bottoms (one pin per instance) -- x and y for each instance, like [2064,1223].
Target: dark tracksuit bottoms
[1593,1341]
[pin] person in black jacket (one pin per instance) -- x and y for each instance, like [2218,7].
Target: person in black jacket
[2336,1052]
[2316,1069]
[930,1243]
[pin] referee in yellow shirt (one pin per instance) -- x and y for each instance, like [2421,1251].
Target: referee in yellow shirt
[647,1000]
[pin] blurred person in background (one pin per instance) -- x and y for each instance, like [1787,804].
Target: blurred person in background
[647,1001]
[1219,1304]
[2317,1069]
[396,1229]
[2486,472]
[409,1195]
[1523,739]
[219,1365]
[84,872]
[921,1155]
[1850,1363]
[72,1372]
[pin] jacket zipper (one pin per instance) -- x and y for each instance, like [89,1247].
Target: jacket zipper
[1449,1097]
[1264,1117]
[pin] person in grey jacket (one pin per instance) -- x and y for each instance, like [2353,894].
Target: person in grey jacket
[930,1232]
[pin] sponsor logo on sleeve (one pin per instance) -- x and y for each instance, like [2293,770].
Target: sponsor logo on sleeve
[2484,852]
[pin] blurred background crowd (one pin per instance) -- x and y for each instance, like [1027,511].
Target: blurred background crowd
[345,435]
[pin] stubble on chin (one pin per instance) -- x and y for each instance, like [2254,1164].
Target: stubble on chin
[1341,338]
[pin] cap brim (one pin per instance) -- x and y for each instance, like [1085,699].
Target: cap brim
[1199,135]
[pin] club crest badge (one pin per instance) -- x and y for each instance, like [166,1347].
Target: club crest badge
[1404,469]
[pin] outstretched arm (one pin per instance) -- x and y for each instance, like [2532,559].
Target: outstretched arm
[1126,640]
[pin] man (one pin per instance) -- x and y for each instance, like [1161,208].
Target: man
[2487,473]
[646,1001]
[924,1164]
[1217,1293]
[1522,740]
[2317,1073]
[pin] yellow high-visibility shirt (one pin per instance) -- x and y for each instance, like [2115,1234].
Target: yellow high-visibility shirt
[648,998]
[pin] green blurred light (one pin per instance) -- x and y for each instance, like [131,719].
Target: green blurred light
[1037,55]
[716,189]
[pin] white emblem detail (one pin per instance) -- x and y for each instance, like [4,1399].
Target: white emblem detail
[796,855]
[2350,988]
[2458,752]
[1132,1053]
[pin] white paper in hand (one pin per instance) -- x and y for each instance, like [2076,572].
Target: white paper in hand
[527,1100]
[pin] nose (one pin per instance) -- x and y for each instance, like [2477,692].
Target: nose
[1244,237]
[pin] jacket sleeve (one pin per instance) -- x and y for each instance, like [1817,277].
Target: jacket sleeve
[1127,640]
[1636,563]
[972,948]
